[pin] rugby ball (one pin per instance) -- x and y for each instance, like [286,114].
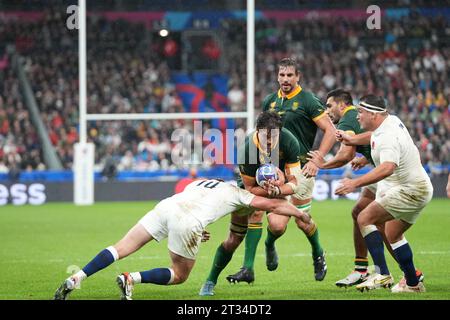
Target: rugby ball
[266,172]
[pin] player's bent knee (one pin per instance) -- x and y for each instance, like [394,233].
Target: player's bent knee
[180,278]
[277,223]
[277,228]
[363,220]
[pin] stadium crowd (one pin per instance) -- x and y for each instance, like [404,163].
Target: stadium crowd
[405,61]
[19,143]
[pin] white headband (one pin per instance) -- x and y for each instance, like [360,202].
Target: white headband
[371,107]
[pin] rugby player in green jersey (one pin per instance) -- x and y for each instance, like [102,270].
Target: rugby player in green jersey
[344,114]
[270,143]
[302,113]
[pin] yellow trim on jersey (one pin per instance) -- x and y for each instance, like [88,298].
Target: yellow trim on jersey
[323,114]
[291,165]
[256,142]
[351,132]
[294,92]
[348,109]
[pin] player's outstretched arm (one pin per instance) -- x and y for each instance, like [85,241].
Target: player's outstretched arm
[342,157]
[279,206]
[251,186]
[311,169]
[329,132]
[353,140]
[384,170]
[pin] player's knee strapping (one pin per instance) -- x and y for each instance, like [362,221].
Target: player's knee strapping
[305,207]
[238,229]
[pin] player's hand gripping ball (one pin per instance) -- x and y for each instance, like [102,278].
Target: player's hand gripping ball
[265,173]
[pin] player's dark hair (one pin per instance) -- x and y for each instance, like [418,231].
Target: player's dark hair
[340,95]
[269,120]
[374,100]
[289,62]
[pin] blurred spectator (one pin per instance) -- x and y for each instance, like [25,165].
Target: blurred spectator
[236,98]
[109,170]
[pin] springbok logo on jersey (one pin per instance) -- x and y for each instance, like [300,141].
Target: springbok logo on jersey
[272,105]
[295,105]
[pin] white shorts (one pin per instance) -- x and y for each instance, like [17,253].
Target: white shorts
[404,202]
[305,188]
[184,232]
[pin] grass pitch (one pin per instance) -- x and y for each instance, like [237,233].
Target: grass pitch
[40,245]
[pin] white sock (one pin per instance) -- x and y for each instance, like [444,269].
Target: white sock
[114,252]
[77,278]
[136,276]
[80,276]
[398,244]
[368,229]
[172,276]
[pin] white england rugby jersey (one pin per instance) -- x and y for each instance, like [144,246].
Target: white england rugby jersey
[209,200]
[391,142]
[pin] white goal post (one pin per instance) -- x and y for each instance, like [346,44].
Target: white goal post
[84,152]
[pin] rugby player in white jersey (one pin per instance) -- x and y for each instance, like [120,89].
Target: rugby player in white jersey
[403,190]
[182,219]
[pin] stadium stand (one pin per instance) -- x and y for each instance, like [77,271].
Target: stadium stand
[406,61]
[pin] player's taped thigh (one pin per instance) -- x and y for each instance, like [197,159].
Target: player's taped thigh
[238,229]
[239,225]
[306,207]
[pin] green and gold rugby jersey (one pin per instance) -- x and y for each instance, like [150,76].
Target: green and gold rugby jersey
[349,123]
[251,156]
[298,110]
